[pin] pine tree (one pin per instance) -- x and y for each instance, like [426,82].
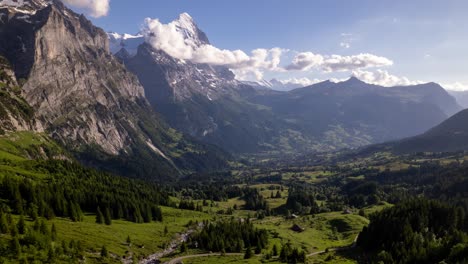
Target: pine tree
[3,223]
[278,194]
[104,253]
[51,255]
[107,217]
[99,216]
[37,225]
[13,230]
[183,247]
[53,232]
[129,241]
[275,250]
[259,247]
[43,228]
[33,212]
[21,225]
[248,253]
[16,247]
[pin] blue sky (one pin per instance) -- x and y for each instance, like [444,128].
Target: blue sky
[425,40]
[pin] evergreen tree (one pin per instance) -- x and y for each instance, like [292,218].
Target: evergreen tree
[43,228]
[3,223]
[275,250]
[278,194]
[99,216]
[183,247]
[15,246]
[248,253]
[21,225]
[107,217]
[129,241]
[51,255]
[53,232]
[104,253]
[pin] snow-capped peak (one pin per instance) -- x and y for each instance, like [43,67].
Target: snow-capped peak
[124,36]
[193,35]
[25,6]
[128,41]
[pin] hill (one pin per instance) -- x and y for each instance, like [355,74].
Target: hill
[451,135]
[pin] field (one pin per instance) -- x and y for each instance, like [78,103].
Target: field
[322,231]
[145,238]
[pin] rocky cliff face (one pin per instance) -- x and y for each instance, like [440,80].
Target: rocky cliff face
[15,112]
[201,100]
[84,96]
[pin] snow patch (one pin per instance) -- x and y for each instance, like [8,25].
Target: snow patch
[25,18]
[13,3]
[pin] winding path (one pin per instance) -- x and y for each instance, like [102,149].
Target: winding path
[179,259]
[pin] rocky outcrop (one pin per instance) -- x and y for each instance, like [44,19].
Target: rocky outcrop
[15,112]
[85,97]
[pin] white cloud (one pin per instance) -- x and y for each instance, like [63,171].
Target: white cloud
[170,39]
[345,45]
[173,39]
[95,8]
[383,78]
[348,63]
[305,61]
[300,82]
[457,86]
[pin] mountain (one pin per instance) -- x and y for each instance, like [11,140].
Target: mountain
[353,113]
[127,42]
[204,101]
[461,97]
[276,84]
[15,112]
[451,135]
[208,103]
[86,99]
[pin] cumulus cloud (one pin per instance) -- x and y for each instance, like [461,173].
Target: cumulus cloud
[95,8]
[299,82]
[348,63]
[383,78]
[306,60]
[179,40]
[172,40]
[457,86]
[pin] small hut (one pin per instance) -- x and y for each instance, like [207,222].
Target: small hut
[297,228]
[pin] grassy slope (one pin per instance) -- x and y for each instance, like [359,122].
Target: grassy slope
[146,238]
[16,149]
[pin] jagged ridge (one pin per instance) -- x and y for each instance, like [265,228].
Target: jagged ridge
[87,100]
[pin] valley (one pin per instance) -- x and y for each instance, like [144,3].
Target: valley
[160,147]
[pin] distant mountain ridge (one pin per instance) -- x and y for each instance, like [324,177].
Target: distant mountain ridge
[208,103]
[449,136]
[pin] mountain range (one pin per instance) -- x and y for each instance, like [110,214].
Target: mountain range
[208,103]
[83,97]
[116,102]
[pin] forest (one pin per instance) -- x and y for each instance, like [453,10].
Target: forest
[417,231]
